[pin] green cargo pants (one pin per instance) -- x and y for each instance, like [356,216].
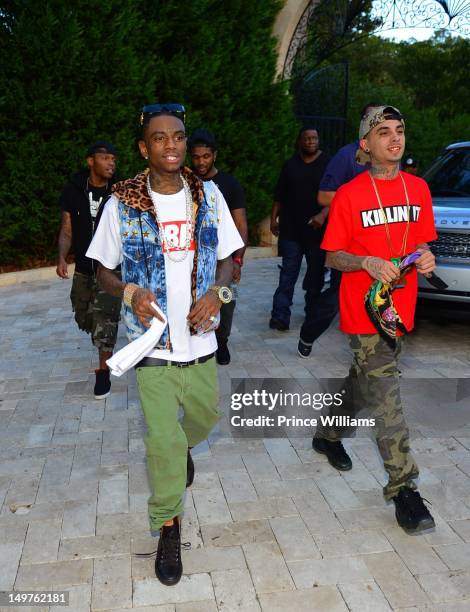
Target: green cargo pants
[163,390]
[373,384]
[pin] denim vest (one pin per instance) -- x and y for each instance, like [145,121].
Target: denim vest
[144,263]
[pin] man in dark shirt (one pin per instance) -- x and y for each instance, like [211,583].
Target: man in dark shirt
[342,168]
[293,220]
[81,202]
[345,165]
[203,151]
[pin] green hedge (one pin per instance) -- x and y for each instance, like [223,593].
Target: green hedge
[73,72]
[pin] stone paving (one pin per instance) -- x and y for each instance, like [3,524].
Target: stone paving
[271,525]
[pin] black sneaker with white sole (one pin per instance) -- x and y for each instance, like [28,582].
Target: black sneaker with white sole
[304,348]
[102,384]
[411,513]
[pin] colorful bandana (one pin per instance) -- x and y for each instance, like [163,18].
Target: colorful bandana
[379,302]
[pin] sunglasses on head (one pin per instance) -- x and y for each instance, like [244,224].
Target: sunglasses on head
[151,110]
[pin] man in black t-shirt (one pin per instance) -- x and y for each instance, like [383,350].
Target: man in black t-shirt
[203,152]
[294,219]
[81,202]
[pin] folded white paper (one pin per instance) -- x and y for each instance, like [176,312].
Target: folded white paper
[127,357]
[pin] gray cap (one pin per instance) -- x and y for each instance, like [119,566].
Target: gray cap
[377,115]
[373,117]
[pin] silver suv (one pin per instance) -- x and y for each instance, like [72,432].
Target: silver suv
[449,181]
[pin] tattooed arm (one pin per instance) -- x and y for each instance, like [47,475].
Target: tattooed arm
[109,282]
[208,305]
[65,242]
[141,298]
[223,272]
[378,268]
[276,208]
[344,262]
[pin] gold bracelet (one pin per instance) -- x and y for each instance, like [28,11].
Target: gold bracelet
[129,291]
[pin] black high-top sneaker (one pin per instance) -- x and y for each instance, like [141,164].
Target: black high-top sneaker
[102,384]
[410,511]
[168,564]
[189,470]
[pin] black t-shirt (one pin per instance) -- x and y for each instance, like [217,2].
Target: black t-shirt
[96,197]
[231,190]
[83,201]
[297,190]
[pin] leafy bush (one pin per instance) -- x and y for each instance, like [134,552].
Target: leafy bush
[73,72]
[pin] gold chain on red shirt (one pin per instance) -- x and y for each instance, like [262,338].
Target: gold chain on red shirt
[387,229]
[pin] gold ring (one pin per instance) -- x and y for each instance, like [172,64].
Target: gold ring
[212,318]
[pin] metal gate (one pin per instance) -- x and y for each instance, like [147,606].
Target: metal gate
[321,100]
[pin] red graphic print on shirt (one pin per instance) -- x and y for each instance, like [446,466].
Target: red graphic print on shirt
[175,234]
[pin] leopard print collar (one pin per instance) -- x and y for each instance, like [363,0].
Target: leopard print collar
[133,192]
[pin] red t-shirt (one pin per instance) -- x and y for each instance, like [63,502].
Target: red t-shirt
[356,226]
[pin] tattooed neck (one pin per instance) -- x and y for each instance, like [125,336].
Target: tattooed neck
[384,172]
[166,184]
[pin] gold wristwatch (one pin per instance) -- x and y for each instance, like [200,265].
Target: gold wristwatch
[224,294]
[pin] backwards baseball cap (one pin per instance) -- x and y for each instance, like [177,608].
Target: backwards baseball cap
[377,115]
[202,138]
[101,146]
[374,116]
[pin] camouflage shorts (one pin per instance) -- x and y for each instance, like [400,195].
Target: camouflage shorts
[96,312]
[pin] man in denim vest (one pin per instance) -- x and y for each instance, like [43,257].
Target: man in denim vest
[174,237]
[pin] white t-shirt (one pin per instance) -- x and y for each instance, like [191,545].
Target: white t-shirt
[106,247]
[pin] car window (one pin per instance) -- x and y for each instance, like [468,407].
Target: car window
[449,176]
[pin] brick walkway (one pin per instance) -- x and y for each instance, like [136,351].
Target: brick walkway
[272,526]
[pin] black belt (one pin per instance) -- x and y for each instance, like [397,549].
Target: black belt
[154,361]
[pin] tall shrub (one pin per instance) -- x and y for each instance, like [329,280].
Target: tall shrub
[73,72]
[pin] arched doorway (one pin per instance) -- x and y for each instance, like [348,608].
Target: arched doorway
[320,95]
[289,28]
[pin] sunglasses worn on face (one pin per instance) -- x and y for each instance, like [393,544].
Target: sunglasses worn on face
[151,110]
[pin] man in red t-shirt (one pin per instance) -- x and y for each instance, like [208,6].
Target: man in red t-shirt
[379,215]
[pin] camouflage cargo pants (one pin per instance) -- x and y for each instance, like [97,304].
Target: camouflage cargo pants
[96,312]
[373,384]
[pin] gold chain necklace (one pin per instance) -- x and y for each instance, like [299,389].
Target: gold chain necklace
[387,229]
